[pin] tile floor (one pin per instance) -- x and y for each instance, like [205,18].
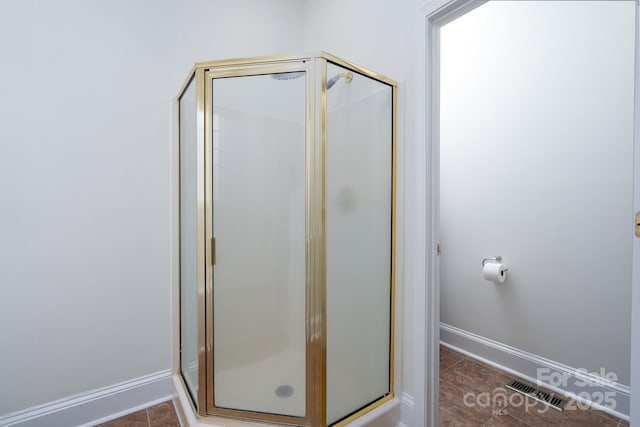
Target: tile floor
[459,376]
[161,415]
[487,407]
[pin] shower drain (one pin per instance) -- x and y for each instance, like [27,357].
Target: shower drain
[284,390]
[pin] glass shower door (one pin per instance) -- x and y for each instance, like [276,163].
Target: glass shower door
[189,362]
[359,230]
[258,167]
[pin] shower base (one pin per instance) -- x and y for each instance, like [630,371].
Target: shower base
[257,386]
[385,415]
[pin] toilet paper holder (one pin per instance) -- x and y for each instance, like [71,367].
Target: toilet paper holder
[496,258]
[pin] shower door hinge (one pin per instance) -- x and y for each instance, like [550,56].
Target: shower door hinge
[212,250]
[438,248]
[637,224]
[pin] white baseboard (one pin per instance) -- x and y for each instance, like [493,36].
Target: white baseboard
[97,406]
[407,402]
[566,380]
[407,410]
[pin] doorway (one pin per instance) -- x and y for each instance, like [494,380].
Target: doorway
[437,15]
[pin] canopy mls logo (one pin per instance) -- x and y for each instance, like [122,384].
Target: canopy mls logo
[501,399]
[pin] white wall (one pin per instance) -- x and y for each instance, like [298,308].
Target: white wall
[374,34]
[536,165]
[86,90]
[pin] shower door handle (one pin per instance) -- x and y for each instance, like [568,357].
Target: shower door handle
[212,251]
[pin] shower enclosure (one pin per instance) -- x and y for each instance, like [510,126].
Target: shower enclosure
[287,213]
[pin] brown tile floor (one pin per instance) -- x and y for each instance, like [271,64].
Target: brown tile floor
[472,394]
[161,415]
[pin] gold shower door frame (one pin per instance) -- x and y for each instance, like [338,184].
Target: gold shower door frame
[315,67]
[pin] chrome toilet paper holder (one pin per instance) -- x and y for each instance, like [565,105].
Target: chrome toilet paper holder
[496,258]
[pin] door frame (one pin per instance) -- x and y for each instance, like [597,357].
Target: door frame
[426,205]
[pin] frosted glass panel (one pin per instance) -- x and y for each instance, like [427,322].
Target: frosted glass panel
[259,227]
[358,215]
[188,241]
